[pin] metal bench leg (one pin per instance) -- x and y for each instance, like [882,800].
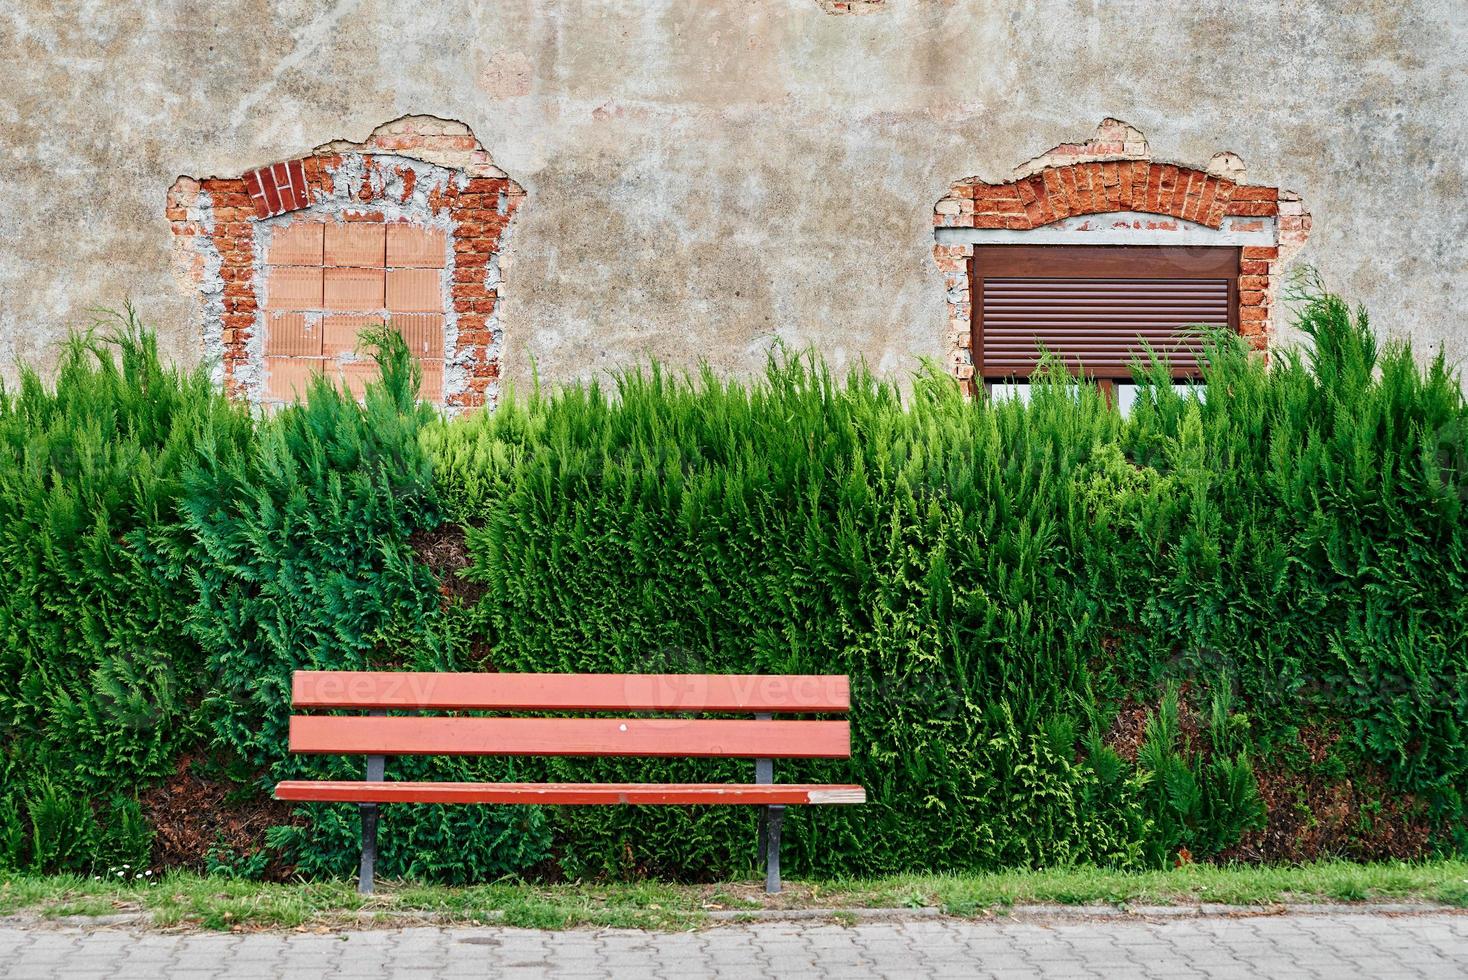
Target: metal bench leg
[376,768]
[774,815]
[764,773]
[369,848]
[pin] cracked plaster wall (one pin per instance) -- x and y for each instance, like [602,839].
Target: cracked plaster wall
[705,178]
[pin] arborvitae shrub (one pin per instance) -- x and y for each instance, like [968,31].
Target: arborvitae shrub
[97,675]
[996,579]
[165,562]
[1072,636]
[299,553]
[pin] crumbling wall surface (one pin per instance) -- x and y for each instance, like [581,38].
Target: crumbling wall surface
[703,179]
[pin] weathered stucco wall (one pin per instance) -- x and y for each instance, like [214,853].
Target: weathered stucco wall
[703,178]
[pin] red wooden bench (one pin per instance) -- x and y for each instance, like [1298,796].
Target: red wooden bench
[763,738]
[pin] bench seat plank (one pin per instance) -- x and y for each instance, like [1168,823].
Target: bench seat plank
[359,791]
[421,691]
[682,737]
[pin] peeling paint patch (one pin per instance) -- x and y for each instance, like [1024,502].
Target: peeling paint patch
[197,264]
[851,6]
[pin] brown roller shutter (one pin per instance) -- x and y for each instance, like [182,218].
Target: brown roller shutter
[1096,306]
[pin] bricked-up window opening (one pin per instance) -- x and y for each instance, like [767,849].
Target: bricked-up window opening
[290,261]
[327,281]
[1159,219]
[1098,308]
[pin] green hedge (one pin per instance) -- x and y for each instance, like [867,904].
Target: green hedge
[96,673]
[1072,636]
[166,563]
[997,580]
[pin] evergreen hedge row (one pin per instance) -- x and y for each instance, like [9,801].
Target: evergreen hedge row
[1271,578]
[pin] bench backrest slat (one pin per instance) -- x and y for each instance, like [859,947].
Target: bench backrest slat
[429,735]
[570,692]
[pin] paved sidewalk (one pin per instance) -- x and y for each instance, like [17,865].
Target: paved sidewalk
[1333,946]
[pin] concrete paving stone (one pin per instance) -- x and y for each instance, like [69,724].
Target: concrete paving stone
[48,941]
[96,964]
[1329,946]
[453,970]
[998,964]
[677,940]
[371,938]
[621,957]
[251,951]
[789,968]
[511,941]
[575,964]
[889,959]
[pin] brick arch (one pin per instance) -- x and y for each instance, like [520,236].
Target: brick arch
[1101,187]
[1108,190]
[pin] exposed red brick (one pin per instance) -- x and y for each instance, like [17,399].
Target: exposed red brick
[269,191]
[1190,183]
[1124,175]
[1186,181]
[1072,192]
[1152,191]
[1251,208]
[1111,181]
[1055,198]
[470,290]
[1167,184]
[1206,201]
[299,196]
[1088,181]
